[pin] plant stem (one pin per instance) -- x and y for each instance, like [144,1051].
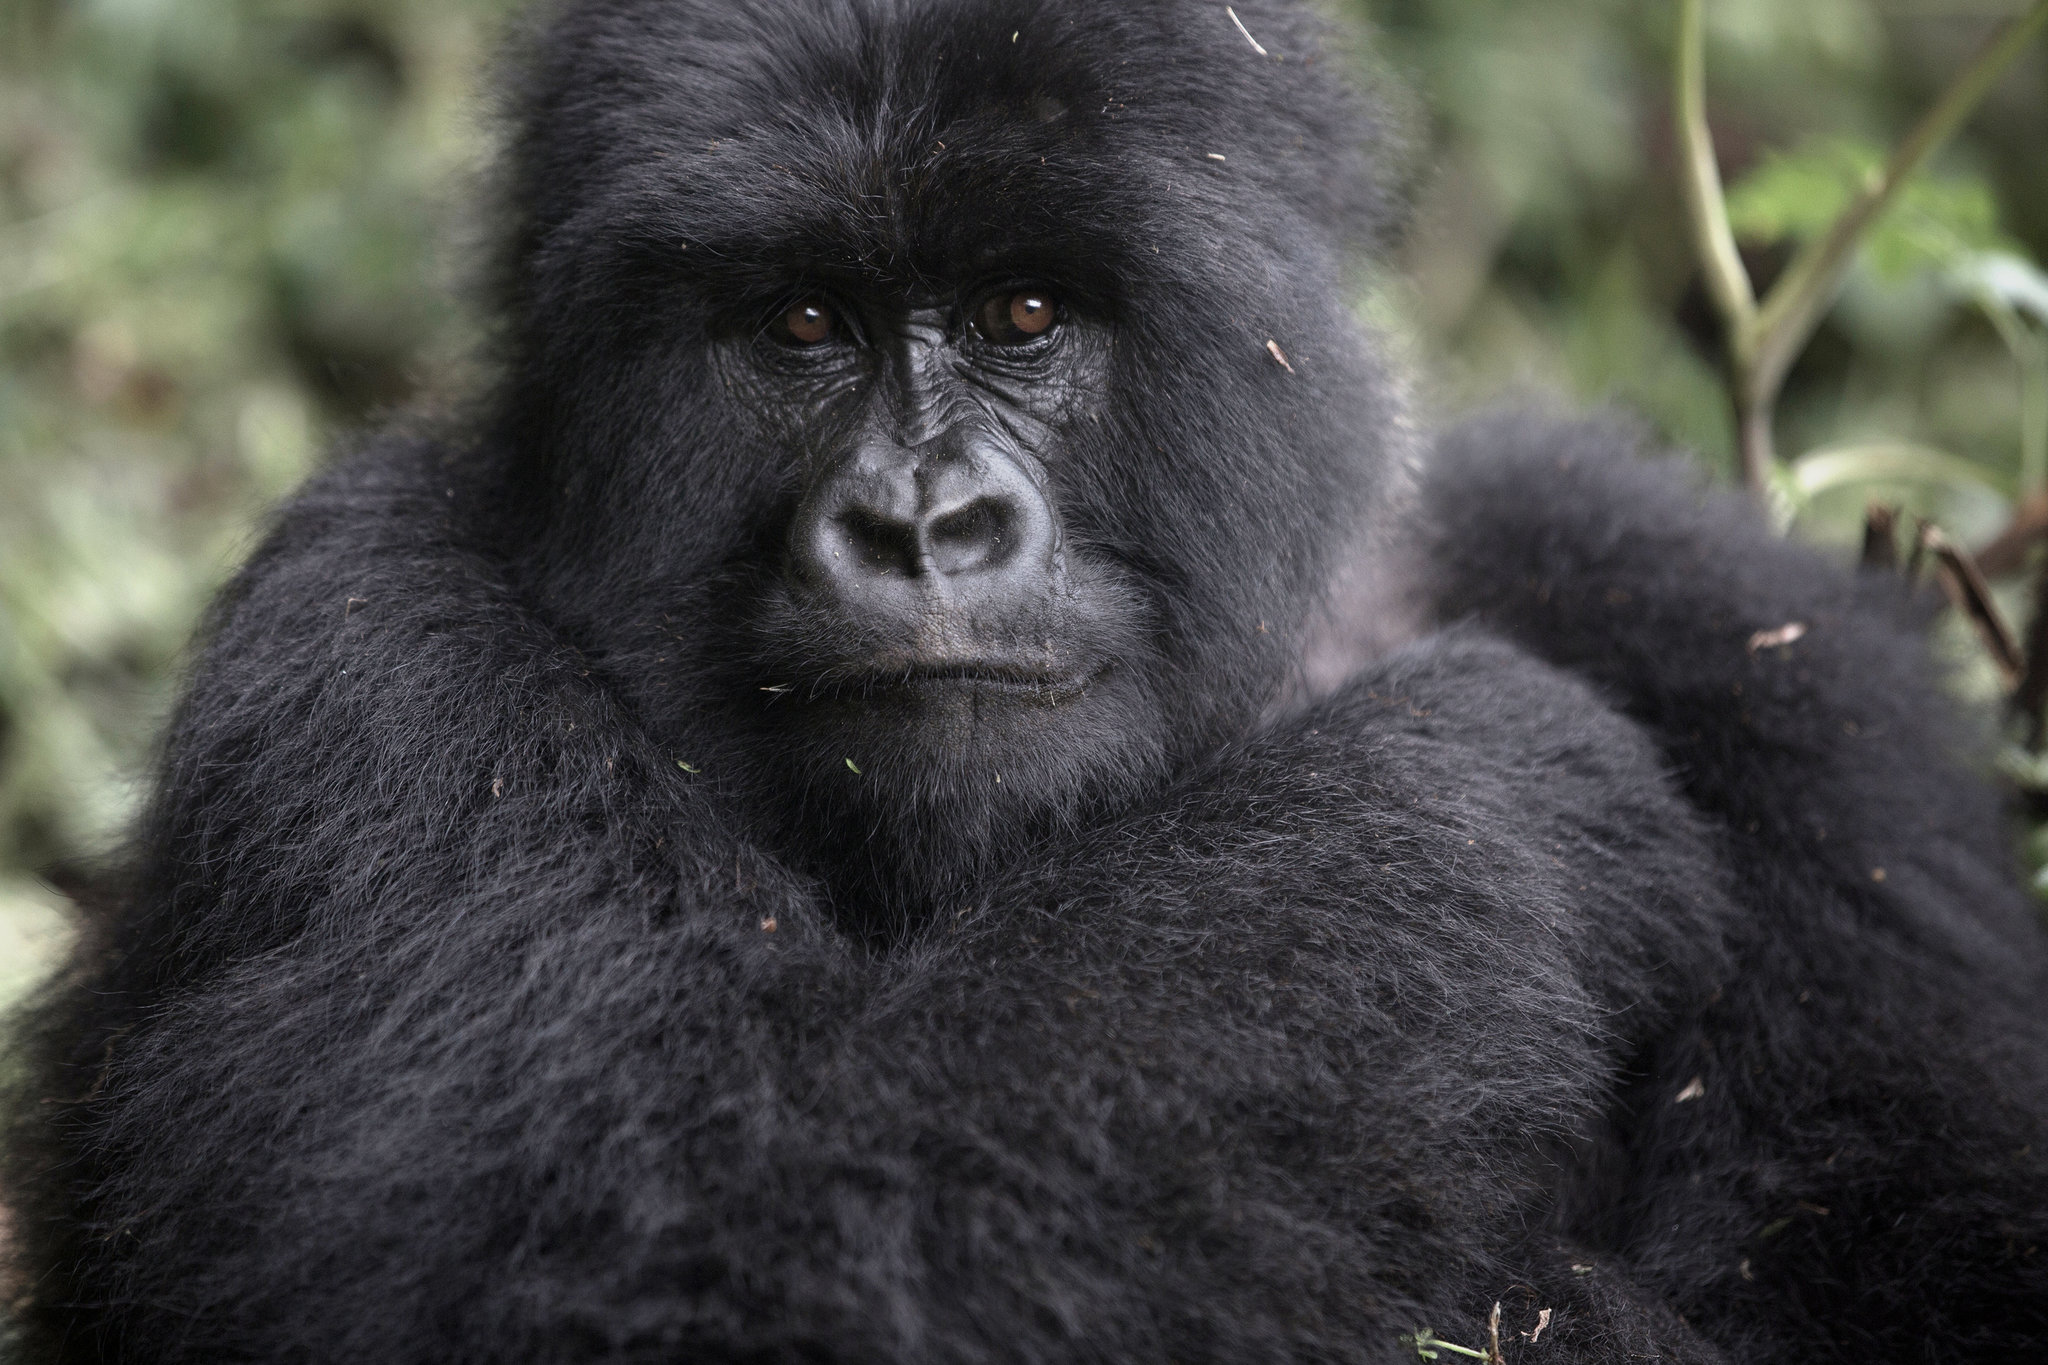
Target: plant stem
[1795,304]
[2034,418]
[1727,279]
[1764,339]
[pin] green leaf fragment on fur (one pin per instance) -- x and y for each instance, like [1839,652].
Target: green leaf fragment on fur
[1422,1341]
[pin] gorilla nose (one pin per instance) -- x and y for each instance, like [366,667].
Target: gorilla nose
[976,538]
[975,530]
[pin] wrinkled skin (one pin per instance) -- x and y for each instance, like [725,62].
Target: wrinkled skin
[945,776]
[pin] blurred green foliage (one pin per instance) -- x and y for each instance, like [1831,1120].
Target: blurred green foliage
[230,229]
[226,232]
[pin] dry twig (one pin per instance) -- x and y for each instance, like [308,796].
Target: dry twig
[1881,537]
[1971,595]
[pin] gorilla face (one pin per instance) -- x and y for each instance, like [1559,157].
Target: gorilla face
[930,618]
[934,356]
[927,556]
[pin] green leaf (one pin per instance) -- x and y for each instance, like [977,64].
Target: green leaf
[1797,194]
[2008,277]
[1886,462]
[1936,222]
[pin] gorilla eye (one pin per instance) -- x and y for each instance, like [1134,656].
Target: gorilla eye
[1014,319]
[806,324]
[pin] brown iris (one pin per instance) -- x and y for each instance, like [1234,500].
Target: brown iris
[1016,318]
[806,324]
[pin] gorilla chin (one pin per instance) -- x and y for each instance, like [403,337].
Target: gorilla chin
[937,665]
[927,766]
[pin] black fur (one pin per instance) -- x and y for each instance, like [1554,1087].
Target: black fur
[1439,900]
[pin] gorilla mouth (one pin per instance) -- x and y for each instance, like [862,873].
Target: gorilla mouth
[1030,681]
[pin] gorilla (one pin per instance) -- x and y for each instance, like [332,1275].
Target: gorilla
[942,773]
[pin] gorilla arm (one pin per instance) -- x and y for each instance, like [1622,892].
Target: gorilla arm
[1288,1020]
[1880,1056]
[1229,1080]
[425,939]
[459,1028]
[1797,705]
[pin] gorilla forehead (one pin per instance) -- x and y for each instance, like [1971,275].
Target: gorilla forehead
[918,139]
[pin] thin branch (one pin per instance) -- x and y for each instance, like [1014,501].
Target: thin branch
[1753,435]
[1971,595]
[2030,698]
[1764,339]
[1802,295]
[2007,552]
[1727,280]
[1881,537]
[2030,353]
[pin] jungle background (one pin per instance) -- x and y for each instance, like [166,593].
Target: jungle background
[231,230]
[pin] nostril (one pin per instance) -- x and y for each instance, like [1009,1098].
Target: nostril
[977,536]
[891,534]
[878,545]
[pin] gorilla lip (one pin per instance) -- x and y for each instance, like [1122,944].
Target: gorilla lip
[995,674]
